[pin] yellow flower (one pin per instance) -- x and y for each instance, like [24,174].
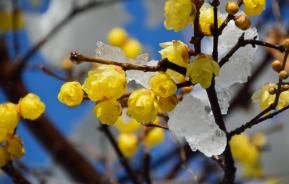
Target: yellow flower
[31,107]
[167,104]
[71,94]
[127,126]
[207,19]
[178,14]
[15,147]
[106,81]
[117,37]
[252,171]
[9,118]
[4,157]
[243,150]
[128,144]
[132,48]
[142,106]
[254,7]
[176,52]
[162,85]
[154,137]
[265,99]
[10,21]
[201,70]
[108,111]
[259,139]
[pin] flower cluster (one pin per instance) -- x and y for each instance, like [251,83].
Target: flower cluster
[119,37]
[29,107]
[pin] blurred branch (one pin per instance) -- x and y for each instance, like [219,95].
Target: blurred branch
[122,159]
[146,167]
[21,62]
[14,174]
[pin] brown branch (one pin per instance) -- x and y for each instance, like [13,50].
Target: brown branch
[21,62]
[260,117]
[155,126]
[122,159]
[49,71]
[163,65]
[242,42]
[146,167]
[14,174]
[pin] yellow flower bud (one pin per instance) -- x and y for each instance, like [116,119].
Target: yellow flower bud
[201,70]
[162,85]
[31,107]
[283,75]
[71,94]
[254,7]
[286,43]
[104,82]
[142,106]
[4,157]
[176,52]
[232,7]
[277,65]
[154,137]
[207,19]
[9,118]
[15,147]
[117,37]
[132,48]
[127,125]
[167,104]
[178,14]
[108,111]
[242,22]
[128,144]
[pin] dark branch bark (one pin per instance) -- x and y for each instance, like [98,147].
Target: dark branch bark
[14,174]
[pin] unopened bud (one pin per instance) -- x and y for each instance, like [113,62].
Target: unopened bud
[285,87]
[277,65]
[242,22]
[283,75]
[272,90]
[232,8]
[187,89]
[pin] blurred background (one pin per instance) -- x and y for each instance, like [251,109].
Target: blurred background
[143,20]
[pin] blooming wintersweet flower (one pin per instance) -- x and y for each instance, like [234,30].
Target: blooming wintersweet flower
[162,85]
[254,7]
[265,99]
[176,52]
[9,118]
[71,94]
[201,70]
[108,111]
[167,104]
[178,14]
[142,105]
[207,19]
[104,82]
[128,144]
[127,126]
[31,107]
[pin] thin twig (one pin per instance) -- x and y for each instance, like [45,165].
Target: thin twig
[243,42]
[122,159]
[163,65]
[21,62]
[155,126]
[14,174]
[146,167]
